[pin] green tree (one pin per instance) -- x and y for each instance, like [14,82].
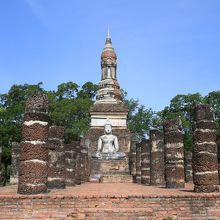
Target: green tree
[12,105]
[70,107]
[213,99]
[182,107]
[140,119]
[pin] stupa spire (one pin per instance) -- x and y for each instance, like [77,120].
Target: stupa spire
[109,89]
[108,41]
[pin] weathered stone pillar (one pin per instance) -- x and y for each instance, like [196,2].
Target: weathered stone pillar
[134,142]
[85,172]
[205,161]
[78,174]
[188,166]
[157,166]
[55,179]
[174,154]
[34,149]
[138,163]
[85,143]
[145,162]
[70,164]
[15,160]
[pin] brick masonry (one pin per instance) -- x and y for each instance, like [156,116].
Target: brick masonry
[188,166]
[145,162]
[34,149]
[70,163]
[132,163]
[138,163]
[157,171]
[15,160]
[85,168]
[205,160]
[135,202]
[174,154]
[56,164]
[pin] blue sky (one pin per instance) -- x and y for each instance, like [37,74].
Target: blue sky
[164,48]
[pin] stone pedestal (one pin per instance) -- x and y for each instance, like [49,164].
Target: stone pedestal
[111,170]
[109,167]
[157,171]
[15,160]
[205,160]
[174,154]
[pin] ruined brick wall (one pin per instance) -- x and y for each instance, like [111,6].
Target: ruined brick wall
[103,208]
[15,160]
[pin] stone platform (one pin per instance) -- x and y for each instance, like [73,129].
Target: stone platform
[110,201]
[110,171]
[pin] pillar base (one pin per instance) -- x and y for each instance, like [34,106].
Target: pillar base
[206,188]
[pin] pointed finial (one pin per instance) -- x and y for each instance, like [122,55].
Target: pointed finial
[108,42]
[108,34]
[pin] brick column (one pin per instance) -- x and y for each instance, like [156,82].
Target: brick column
[70,164]
[15,160]
[205,161]
[157,166]
[34,149]
[55,179]
[134,142]
[174,154]
[145,162]
[84,143]
[78,175]
[188,166]
[138,163]
[83,162]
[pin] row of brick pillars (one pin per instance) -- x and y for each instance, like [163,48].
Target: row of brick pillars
[161,160]
[45,162]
